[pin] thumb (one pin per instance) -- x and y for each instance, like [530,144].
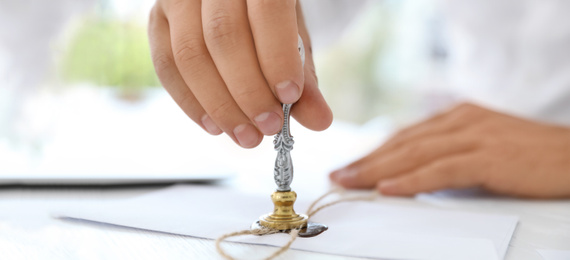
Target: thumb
[311,111]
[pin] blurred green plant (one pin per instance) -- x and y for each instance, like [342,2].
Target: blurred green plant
[349,71]
[112,53]
[364,75]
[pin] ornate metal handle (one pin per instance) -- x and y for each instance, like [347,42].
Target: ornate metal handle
[283,144]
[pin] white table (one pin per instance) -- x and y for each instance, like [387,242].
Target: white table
[28,232]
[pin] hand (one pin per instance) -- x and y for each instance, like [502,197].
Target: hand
[465,147]
[230,64]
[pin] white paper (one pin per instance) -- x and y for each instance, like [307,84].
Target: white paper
[364,229]
[554,254]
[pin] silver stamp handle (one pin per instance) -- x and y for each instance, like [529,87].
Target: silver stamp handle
[283,143]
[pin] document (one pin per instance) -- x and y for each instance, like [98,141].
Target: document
[554,254]
[370,229]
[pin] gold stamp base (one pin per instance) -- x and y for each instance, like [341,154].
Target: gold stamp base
[283,216]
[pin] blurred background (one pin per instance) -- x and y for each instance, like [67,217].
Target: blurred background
[79,95]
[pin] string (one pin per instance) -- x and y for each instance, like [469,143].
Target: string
[333,190]
[295,232]
[368,197]
[260,231]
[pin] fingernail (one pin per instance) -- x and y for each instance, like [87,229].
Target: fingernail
[334,175]
[341,174]
[388,187]
[268,123]
[246,135]
[287,91]
[210,126]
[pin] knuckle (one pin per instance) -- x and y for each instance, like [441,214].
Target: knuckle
[220,30]
[469,111]
[189,104]
[154,18]
[312,74]
[269,7]
[465,105]
[162,64]
[190,50]
[245,94]
[185,100]
[152,14]
[361,172]
[316,79]
[413,182]
[173,5]
[222,110]
[441,167]
[365,175]
[487,129]
[507,151]
[398,139]
[401,135]
[415,150]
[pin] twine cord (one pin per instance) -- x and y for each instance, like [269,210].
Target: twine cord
[295,232]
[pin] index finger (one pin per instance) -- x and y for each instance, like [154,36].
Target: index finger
[275,32]
[461,171]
